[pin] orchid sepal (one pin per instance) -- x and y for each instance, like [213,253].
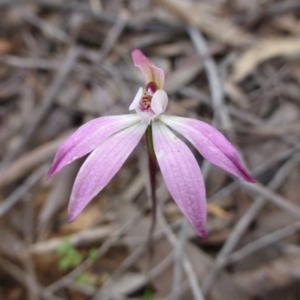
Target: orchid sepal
[211,143]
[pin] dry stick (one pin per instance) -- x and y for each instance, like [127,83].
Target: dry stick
[156,271]
[57,198]
[63,5]
[98,58]
[138,252]
[274,198]
[21,276]
[246,220]
[233,111]
[126,264]
[32,180]
[80,238]
[47,101]
[186,263]
[227,190]
[258,170]
[29,63]
[112,37]
[102,16]
[253,120]
[69,278]
[176,289]
[177,286]
[280,276]
[133,189]
[47,28]
[215,84]
[261,243]
[273,10]
[263,166]
[130,261]
[29,161]
[218,102]
[32,284]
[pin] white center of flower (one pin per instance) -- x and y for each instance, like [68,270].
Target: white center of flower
[145,103]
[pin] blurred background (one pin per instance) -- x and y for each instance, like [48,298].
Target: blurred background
[232,63]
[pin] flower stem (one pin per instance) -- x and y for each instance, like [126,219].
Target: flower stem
[152,162]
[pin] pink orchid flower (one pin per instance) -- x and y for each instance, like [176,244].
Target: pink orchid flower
[111,139]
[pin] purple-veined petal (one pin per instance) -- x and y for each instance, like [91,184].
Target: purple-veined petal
[88,137]
[149,70]
[210,143]
[159,102]
[102,164]
[182,175]
[136,101]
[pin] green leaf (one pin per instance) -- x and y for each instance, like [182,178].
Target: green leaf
[64,247]
[64,263]
[148,294]
[92,254]
[76,259]
[86,279]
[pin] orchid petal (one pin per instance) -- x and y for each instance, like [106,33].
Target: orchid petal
[182,175]
[136,101]
[103,163]
[149,70]
[210,143]
[88,137]
[159,102]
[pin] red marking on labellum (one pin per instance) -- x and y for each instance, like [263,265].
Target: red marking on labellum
[145,103]
[151,88]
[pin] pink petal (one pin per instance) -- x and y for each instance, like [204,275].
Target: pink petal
[210,143]
[88,137]
[150,71]
[182,175]
[103,163]
[136,101]
[159,102]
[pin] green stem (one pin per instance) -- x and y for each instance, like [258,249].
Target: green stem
[150,143]
[152,172]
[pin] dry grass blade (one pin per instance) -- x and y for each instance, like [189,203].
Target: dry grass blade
[22,190]
[22,166]
[241,227]
[20,276]
[263,51]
